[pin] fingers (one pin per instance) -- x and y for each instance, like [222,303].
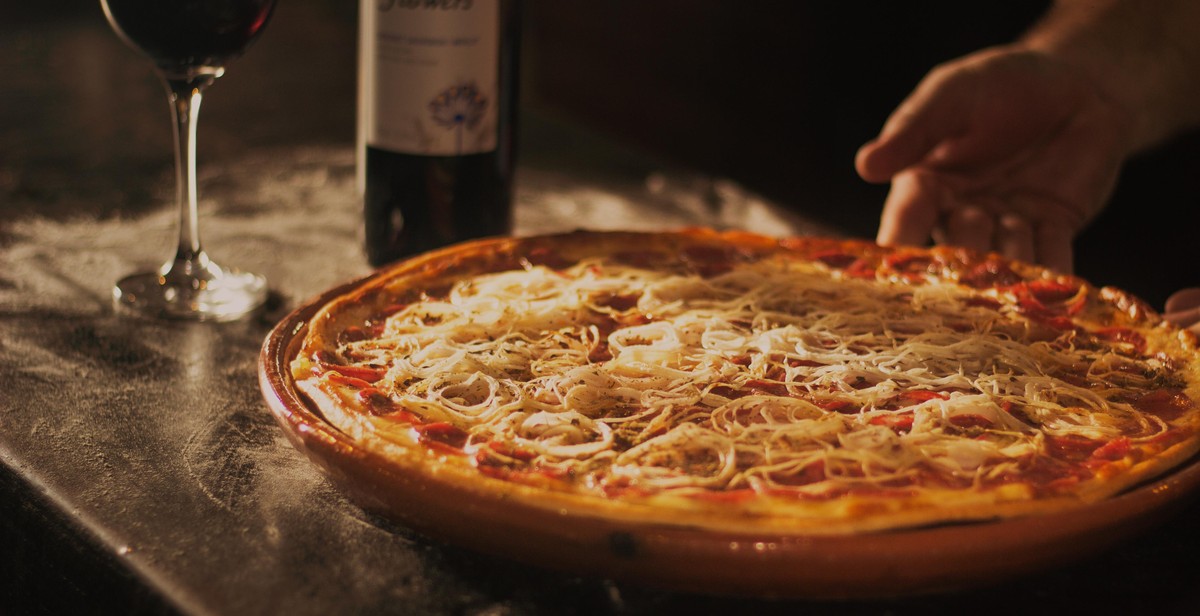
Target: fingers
[1009,234]
[996,151]
[919,206]
[1015,238]
[970,227]
[1053,246]
[910,212]
[1183,309]
[934,112]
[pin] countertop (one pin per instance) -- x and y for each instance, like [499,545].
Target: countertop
[139,468]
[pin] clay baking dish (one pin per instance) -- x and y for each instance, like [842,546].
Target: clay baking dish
[751,562]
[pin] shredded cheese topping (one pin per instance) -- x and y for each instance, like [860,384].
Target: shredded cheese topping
[778,376]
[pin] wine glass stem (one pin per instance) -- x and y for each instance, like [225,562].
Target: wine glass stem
[185,95]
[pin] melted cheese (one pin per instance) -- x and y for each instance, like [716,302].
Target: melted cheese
[774,376]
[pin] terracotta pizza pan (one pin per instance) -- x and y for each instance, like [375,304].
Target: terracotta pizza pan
[681,557]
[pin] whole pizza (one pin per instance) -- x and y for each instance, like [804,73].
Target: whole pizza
[727,381]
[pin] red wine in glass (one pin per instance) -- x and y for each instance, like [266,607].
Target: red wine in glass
[190,42]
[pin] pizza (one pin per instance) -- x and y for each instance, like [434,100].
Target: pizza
[730,381]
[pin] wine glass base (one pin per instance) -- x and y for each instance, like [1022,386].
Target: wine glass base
[227,297]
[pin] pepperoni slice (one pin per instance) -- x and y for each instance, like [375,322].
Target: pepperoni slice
[971,421]
[861,268]
[370,375]
[1051,298]
[837,406]
[901,423]
[916,396]
[1071,447]
[1113,450]
[510,450]
[912,264]
[443,436]
[836,260]
[347,381]
[1166,404]
[771,388]
[375,401]
[1052,291]
[810,473]
[1124,335]
[911,398]
[328,362]
[990,274]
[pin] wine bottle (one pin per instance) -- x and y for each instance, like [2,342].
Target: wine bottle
[437,109]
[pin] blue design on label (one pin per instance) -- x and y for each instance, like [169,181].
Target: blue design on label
[459,106]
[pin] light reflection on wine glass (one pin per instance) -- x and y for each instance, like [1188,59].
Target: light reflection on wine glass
[190,42]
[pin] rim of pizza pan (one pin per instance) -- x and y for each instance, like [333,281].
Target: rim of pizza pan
[287,404]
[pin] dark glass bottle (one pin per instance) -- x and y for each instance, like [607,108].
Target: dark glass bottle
[437,109]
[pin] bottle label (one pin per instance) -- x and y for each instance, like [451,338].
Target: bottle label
[429,75]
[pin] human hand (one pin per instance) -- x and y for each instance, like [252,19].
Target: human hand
[1005,149]
[1183,309]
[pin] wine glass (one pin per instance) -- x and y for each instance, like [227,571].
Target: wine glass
[190,42]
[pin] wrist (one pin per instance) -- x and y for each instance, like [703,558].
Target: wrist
[1142,59]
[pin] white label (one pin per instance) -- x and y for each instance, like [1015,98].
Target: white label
[429,75]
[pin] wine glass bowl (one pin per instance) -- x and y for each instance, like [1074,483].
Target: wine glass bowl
[190,42]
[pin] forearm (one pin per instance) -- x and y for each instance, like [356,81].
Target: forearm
[1143,55]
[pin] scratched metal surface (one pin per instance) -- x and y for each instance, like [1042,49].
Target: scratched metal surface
[152,436]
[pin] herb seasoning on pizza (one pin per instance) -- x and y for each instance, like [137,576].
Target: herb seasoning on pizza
[809,384]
